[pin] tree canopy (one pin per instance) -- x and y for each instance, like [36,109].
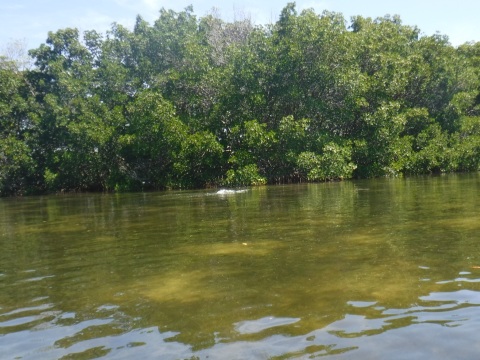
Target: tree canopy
[190,102]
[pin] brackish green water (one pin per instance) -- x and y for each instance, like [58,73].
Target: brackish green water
[377,269]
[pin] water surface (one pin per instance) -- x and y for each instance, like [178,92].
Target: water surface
[372,269]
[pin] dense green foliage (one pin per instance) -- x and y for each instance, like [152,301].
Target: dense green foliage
[193,102]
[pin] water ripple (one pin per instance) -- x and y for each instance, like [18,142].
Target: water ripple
[255,326]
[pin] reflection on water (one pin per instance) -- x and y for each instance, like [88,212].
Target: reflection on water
[385,268]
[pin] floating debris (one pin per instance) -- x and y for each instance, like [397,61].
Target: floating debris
[228,192]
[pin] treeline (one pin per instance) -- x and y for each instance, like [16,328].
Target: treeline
[190,102]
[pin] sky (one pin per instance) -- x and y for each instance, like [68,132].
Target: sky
[29,21]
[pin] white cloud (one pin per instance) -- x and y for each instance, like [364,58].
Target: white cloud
[318,6]
[458,34]
[153,5]
[94,20]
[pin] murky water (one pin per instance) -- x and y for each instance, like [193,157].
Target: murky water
[377,269]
